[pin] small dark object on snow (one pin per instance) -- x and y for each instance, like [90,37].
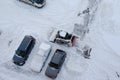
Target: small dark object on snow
[86,52]
[0,32]
[118,75]
[9,43]
[78,14]
[86,11]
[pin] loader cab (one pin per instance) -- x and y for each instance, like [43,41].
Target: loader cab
[64,35]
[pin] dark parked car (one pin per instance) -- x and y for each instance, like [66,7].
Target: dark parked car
[36,3]
[23,51]
[55,64]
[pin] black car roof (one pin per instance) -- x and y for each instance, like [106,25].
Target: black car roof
[57,57]
[25,43]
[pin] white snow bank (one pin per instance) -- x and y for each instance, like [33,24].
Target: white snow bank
[113,42]
[76,64]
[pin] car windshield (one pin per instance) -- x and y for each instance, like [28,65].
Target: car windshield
[39,1]
[54,65]
[20,53]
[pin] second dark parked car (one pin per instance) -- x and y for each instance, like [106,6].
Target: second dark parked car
[36,3]
[23,51]
[55,64]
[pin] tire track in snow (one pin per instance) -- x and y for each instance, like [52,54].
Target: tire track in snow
[98,41]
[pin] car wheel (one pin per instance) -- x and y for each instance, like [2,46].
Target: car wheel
[21,64]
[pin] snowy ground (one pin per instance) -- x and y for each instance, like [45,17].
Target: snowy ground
[18,19]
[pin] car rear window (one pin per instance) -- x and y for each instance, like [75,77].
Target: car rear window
[54,65]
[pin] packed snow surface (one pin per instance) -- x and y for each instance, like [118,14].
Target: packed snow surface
[19,19]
